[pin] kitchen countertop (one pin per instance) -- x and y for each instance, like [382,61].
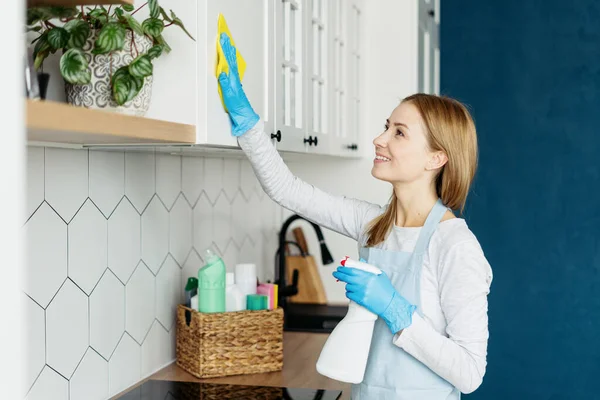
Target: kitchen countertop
[300,353]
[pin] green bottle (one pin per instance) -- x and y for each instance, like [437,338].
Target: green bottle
[211,284]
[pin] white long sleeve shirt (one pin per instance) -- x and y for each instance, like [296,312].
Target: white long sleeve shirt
[451,337]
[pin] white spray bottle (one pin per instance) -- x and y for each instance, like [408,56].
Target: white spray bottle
[345,353]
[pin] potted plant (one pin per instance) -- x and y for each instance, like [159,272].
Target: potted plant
[107,54]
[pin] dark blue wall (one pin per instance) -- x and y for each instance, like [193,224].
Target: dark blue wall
[530,71]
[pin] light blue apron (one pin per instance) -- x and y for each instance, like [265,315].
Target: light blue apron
[391,372]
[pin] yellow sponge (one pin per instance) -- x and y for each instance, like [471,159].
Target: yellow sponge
[220,60]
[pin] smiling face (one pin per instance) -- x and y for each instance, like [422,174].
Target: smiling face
[402,150]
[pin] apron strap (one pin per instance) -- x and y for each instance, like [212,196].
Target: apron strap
[431,223]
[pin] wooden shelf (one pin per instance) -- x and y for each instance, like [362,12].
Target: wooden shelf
[71,3]
[51,122]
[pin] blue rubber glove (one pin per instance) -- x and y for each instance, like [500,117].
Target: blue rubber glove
[377,294]
[242,116]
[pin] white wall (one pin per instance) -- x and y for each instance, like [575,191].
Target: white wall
[390,75]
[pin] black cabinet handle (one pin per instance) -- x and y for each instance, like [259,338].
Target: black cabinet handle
[431,13]
[352,146]
[276,136]
[311,141]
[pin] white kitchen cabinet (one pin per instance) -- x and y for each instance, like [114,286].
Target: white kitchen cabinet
[290,73]
[319,58]
[334,51]
[347,41]
[302,73]
[186,88]
[251,24]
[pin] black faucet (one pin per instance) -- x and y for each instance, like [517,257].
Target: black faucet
[285,290]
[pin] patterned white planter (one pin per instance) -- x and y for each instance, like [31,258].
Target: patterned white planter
[98,93]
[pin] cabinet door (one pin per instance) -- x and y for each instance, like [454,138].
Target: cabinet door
[318,57]
[251,24]
[290,73]
[350,145]
[339,122]
[428,47]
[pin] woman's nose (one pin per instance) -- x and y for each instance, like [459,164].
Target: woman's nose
[380,141]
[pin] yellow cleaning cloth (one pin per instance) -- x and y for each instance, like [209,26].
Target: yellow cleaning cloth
[220,61]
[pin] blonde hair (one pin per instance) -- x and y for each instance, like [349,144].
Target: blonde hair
[449,127]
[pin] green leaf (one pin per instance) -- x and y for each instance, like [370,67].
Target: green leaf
[121,89]
[58,37]
[179,23]
[74,67]
[110,38]
[163,43]
[39,59]
[154,9]
[79,30]
[41,45]
[138,83]
[128,7]
[119,73]
[153,26]
[134,25]
[125,86]
[164,15]
[119,12]
[34,29]
[141,67]
[99,15]
[155,51]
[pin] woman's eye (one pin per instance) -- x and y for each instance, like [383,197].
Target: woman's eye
[385,128]
[399,132]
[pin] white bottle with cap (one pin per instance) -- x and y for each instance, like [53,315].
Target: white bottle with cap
[345,353]
[245,278]
[234,299]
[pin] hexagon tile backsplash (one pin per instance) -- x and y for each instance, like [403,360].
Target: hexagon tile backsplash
[111,240]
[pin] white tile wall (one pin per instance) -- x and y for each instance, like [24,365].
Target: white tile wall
[35,179]
[140,179]
[124,240]
[124,367]
[140,301]
[90,381]
[67,329]
[66,180]
[35,341]
[180,229]
[49,386]
[107,179]
[46,235]
[155,234]
[112,238]
[107,314]
[168,178]
[87,247]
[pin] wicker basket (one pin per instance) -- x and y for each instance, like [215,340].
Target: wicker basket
[232,343]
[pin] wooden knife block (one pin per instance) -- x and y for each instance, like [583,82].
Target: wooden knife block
[310,286]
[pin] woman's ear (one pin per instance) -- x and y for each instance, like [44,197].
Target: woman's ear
[437,160]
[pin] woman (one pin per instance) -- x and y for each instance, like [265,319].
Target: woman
[430,341]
